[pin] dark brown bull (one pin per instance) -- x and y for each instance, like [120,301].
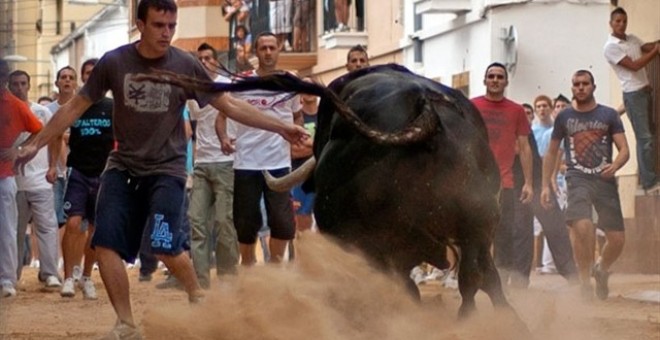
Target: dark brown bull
[403,171]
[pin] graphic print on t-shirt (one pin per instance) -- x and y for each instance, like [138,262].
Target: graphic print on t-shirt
[146,96]
[588,145]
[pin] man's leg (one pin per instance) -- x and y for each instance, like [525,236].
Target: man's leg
[115,279]
[8,221]
[73,244]
[45,230]
[181,267]
[612,248]
[584,238]
[638,108]
[247,213]
[281,220]
[23,219]
[200,202]
[226,243]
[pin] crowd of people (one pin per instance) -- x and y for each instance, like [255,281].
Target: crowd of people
[118,186]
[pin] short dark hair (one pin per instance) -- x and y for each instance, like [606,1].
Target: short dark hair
[88,62]
[527,106]
[618,11]
[583,72]
[44,98]
[204,47]
[261,35]
[59,72]
[20,73]
[159,5]
[357,48]
[4,65]
[562,98]
[500,65]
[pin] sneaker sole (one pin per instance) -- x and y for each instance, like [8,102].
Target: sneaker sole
[67,295]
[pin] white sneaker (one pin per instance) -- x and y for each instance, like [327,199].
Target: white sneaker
[68,288]
[77,273]
[53,281]
[654,190]
[88,289]
[34,264]
[8,290]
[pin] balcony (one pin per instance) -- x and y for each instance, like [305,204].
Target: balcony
[344,39]
[303,59]
[442,6]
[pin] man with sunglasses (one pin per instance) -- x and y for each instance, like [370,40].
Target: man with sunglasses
[507,131]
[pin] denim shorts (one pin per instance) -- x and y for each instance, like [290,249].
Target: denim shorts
[129,206]
[603,195]
[80,196]
[306,200]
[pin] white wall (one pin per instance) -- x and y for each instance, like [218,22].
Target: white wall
[546,55]
[108,34]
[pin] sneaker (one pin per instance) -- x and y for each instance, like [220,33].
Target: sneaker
[601,277]
[8,290]
[170,282]
[53,281]
[34,264]
[654,190]
[68,288]
[88,289]
[77,273]
[124,332]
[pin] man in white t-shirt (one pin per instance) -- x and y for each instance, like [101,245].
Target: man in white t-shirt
[35,196]
[258,150]
[212,195]
[628,56]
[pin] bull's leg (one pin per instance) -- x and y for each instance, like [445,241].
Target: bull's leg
[469,279]
[491,283]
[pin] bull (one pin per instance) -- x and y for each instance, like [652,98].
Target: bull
[401,169]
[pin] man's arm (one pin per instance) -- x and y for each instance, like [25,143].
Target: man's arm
[247,114]
[63,118]
[621,158]
[526,162]
[636,65]
[649,46]
[549,162]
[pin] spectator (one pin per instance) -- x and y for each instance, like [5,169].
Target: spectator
[20,119]
[588,130]
[628,56]
[44,100]
[303,12]
[243,39]
[280,12]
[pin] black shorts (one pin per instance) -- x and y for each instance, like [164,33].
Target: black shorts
[80,196]
[583,193]
[249,188]
[128,206]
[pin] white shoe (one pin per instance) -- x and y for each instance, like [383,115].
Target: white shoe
[8,290]
[88,289]
[77,273]
[53,281]
[123,331]
[68,288]
[34,264]
[654,190]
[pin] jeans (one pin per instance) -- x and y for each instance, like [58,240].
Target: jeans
[638,108]
[8,223]
[38,205]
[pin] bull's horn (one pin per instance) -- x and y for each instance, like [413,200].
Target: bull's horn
[286,183]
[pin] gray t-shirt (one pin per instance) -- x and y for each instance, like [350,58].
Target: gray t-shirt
[587,138]
[147,117]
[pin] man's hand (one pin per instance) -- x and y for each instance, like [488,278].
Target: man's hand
[20,156]
[546,197]
[228,145]
[608,171]
[295,134]
[526,194]
[51,174]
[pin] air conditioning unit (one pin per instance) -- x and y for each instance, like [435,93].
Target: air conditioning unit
[442,6]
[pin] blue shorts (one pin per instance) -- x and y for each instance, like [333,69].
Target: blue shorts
[80,196]
[583,194]
[129,206]
[306,200]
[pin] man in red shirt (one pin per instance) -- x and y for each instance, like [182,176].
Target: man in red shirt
[507,130]
[15,117]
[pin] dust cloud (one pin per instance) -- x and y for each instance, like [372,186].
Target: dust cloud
[328,293]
